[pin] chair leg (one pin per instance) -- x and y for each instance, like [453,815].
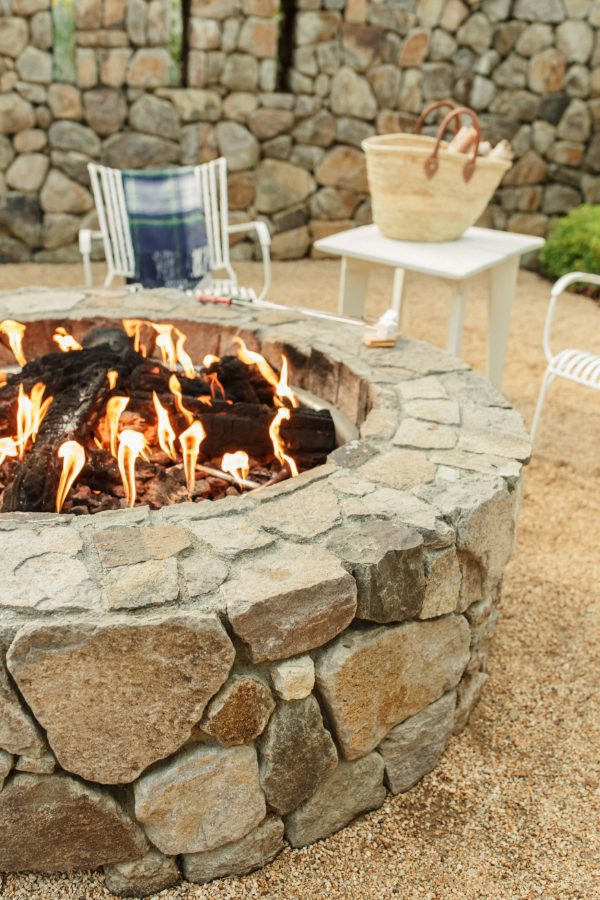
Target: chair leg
[547,381]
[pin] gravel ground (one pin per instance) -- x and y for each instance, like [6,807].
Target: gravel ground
[512,810]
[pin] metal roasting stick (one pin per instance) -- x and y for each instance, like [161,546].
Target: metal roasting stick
[225,476]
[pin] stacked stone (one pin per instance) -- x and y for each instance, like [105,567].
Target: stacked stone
[530,68]
[207,681]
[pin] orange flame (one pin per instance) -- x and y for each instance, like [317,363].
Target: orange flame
[175,388]
[133,329]
[15,332]
[131,445]
[190,441]
[236,464]
[278,450]
[210,360]
[283,390]
[65,341]
[217,391]
[73,457]
[3,379]
[183,356]
[113,377]
[31,409]
[165,344]
[166,435]
[8,447]
[115,408]
[252,358]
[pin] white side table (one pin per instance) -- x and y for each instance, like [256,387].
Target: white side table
[478,250]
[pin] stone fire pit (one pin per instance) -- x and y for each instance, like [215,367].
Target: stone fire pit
[192,687]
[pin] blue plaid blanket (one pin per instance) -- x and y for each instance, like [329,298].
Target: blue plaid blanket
[168,227]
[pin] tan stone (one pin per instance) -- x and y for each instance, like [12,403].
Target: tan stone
[115,697]
[113,66]
[16,114]
[27,172]
[13,36]
[280,184]
[442,585]
[547,71]
[239,712]
[53,823]
[62,195]
[259,37]
[30,141]
[19,733]
[291,600]
[306,513]
[399,468]
[251,852]
[86,67]
[267,123]
[65,101]
[230,535]
[240,190]
[294,679]
[425,435]
[149,68]
[143,584]
[150,874]
[343,167]
[414,49]
[204,797]
[291,244]
[126,546]
[372,680]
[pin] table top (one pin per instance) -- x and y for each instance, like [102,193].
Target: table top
[478,249]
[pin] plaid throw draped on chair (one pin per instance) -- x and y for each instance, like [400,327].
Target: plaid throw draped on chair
[168,227]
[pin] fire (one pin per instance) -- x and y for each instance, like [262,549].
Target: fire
[65,341]
[73,457]
[8,447]
[133,329]
[217,391]
[175,388]
[237,464]
[113,377]
[115,408]
[31,409]
[209,360]
[15,332]
[183,356]
[165,344]
[166,435]
[281,415]
[3,379]
[190,441]
[131,445]
[283,390]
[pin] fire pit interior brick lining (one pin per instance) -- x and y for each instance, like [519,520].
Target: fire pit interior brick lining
[208,680]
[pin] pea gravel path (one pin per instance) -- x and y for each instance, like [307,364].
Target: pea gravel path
[512,811]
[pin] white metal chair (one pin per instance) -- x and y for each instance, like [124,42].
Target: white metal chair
[109,197]
[573,364]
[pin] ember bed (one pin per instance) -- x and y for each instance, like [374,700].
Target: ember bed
[187,684]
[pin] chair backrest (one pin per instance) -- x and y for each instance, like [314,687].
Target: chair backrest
[558,288]
[109,197]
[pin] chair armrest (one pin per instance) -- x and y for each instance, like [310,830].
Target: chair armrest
[563,283]
[262,231]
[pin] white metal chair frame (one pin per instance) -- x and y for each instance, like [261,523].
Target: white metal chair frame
[109,197]
[573,364]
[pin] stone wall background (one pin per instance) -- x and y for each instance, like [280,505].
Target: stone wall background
[287,100]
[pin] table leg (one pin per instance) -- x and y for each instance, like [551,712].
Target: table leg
[457,318]
[397,290]
[502,292]
[354,280]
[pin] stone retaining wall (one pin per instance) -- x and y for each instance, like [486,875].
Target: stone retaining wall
[287,101]
[207,681]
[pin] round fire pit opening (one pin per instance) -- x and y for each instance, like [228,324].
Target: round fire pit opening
[184,690]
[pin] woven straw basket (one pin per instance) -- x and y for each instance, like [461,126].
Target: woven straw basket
[421,191]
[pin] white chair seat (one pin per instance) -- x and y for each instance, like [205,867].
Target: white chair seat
[577,365]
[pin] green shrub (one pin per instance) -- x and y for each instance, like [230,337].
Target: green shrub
[574,245]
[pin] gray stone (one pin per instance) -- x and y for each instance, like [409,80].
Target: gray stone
[398,468]
[353,788]
[19,733]
[468,694]
[239,712]
[27,172]
[385,84]
[442,583]
[240,72]
[16,114]
[194,105]
[307,513]
[230,536]
[127,546]
[7,153]
[353,131]
[88,827]
[150,874]
[534,38]
[238,145]
[290,601]
[296,753]
[144,584]
[539,10]
[255,850]
[315,27]
[280,184]
[73,136]
[131,150]
[105,110]
[386,561]
[318,129]
[576,40]
[409,666]
[60,229]
[425,435]
[294,679]
[62,195]
[154,116]
[576,123]
[204,797]
[413,748]
[35,65]
[351,95]
[87,685]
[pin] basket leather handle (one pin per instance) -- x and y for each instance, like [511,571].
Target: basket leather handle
[439,104]
[432,162]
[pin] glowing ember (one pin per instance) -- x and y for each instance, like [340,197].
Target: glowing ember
[165,433]
[113,377]
[8,447]
[30,413]
[65,341]
[190,441]
[131,445]
[183,357]
[283,390]
[209,360]
[15,332]
[73,457]
[282,414]
[115,408]
[175,388]
[237,464]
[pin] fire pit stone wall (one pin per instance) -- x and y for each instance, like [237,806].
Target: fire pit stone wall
[204,682]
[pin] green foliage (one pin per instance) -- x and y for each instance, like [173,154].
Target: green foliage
[574,245]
